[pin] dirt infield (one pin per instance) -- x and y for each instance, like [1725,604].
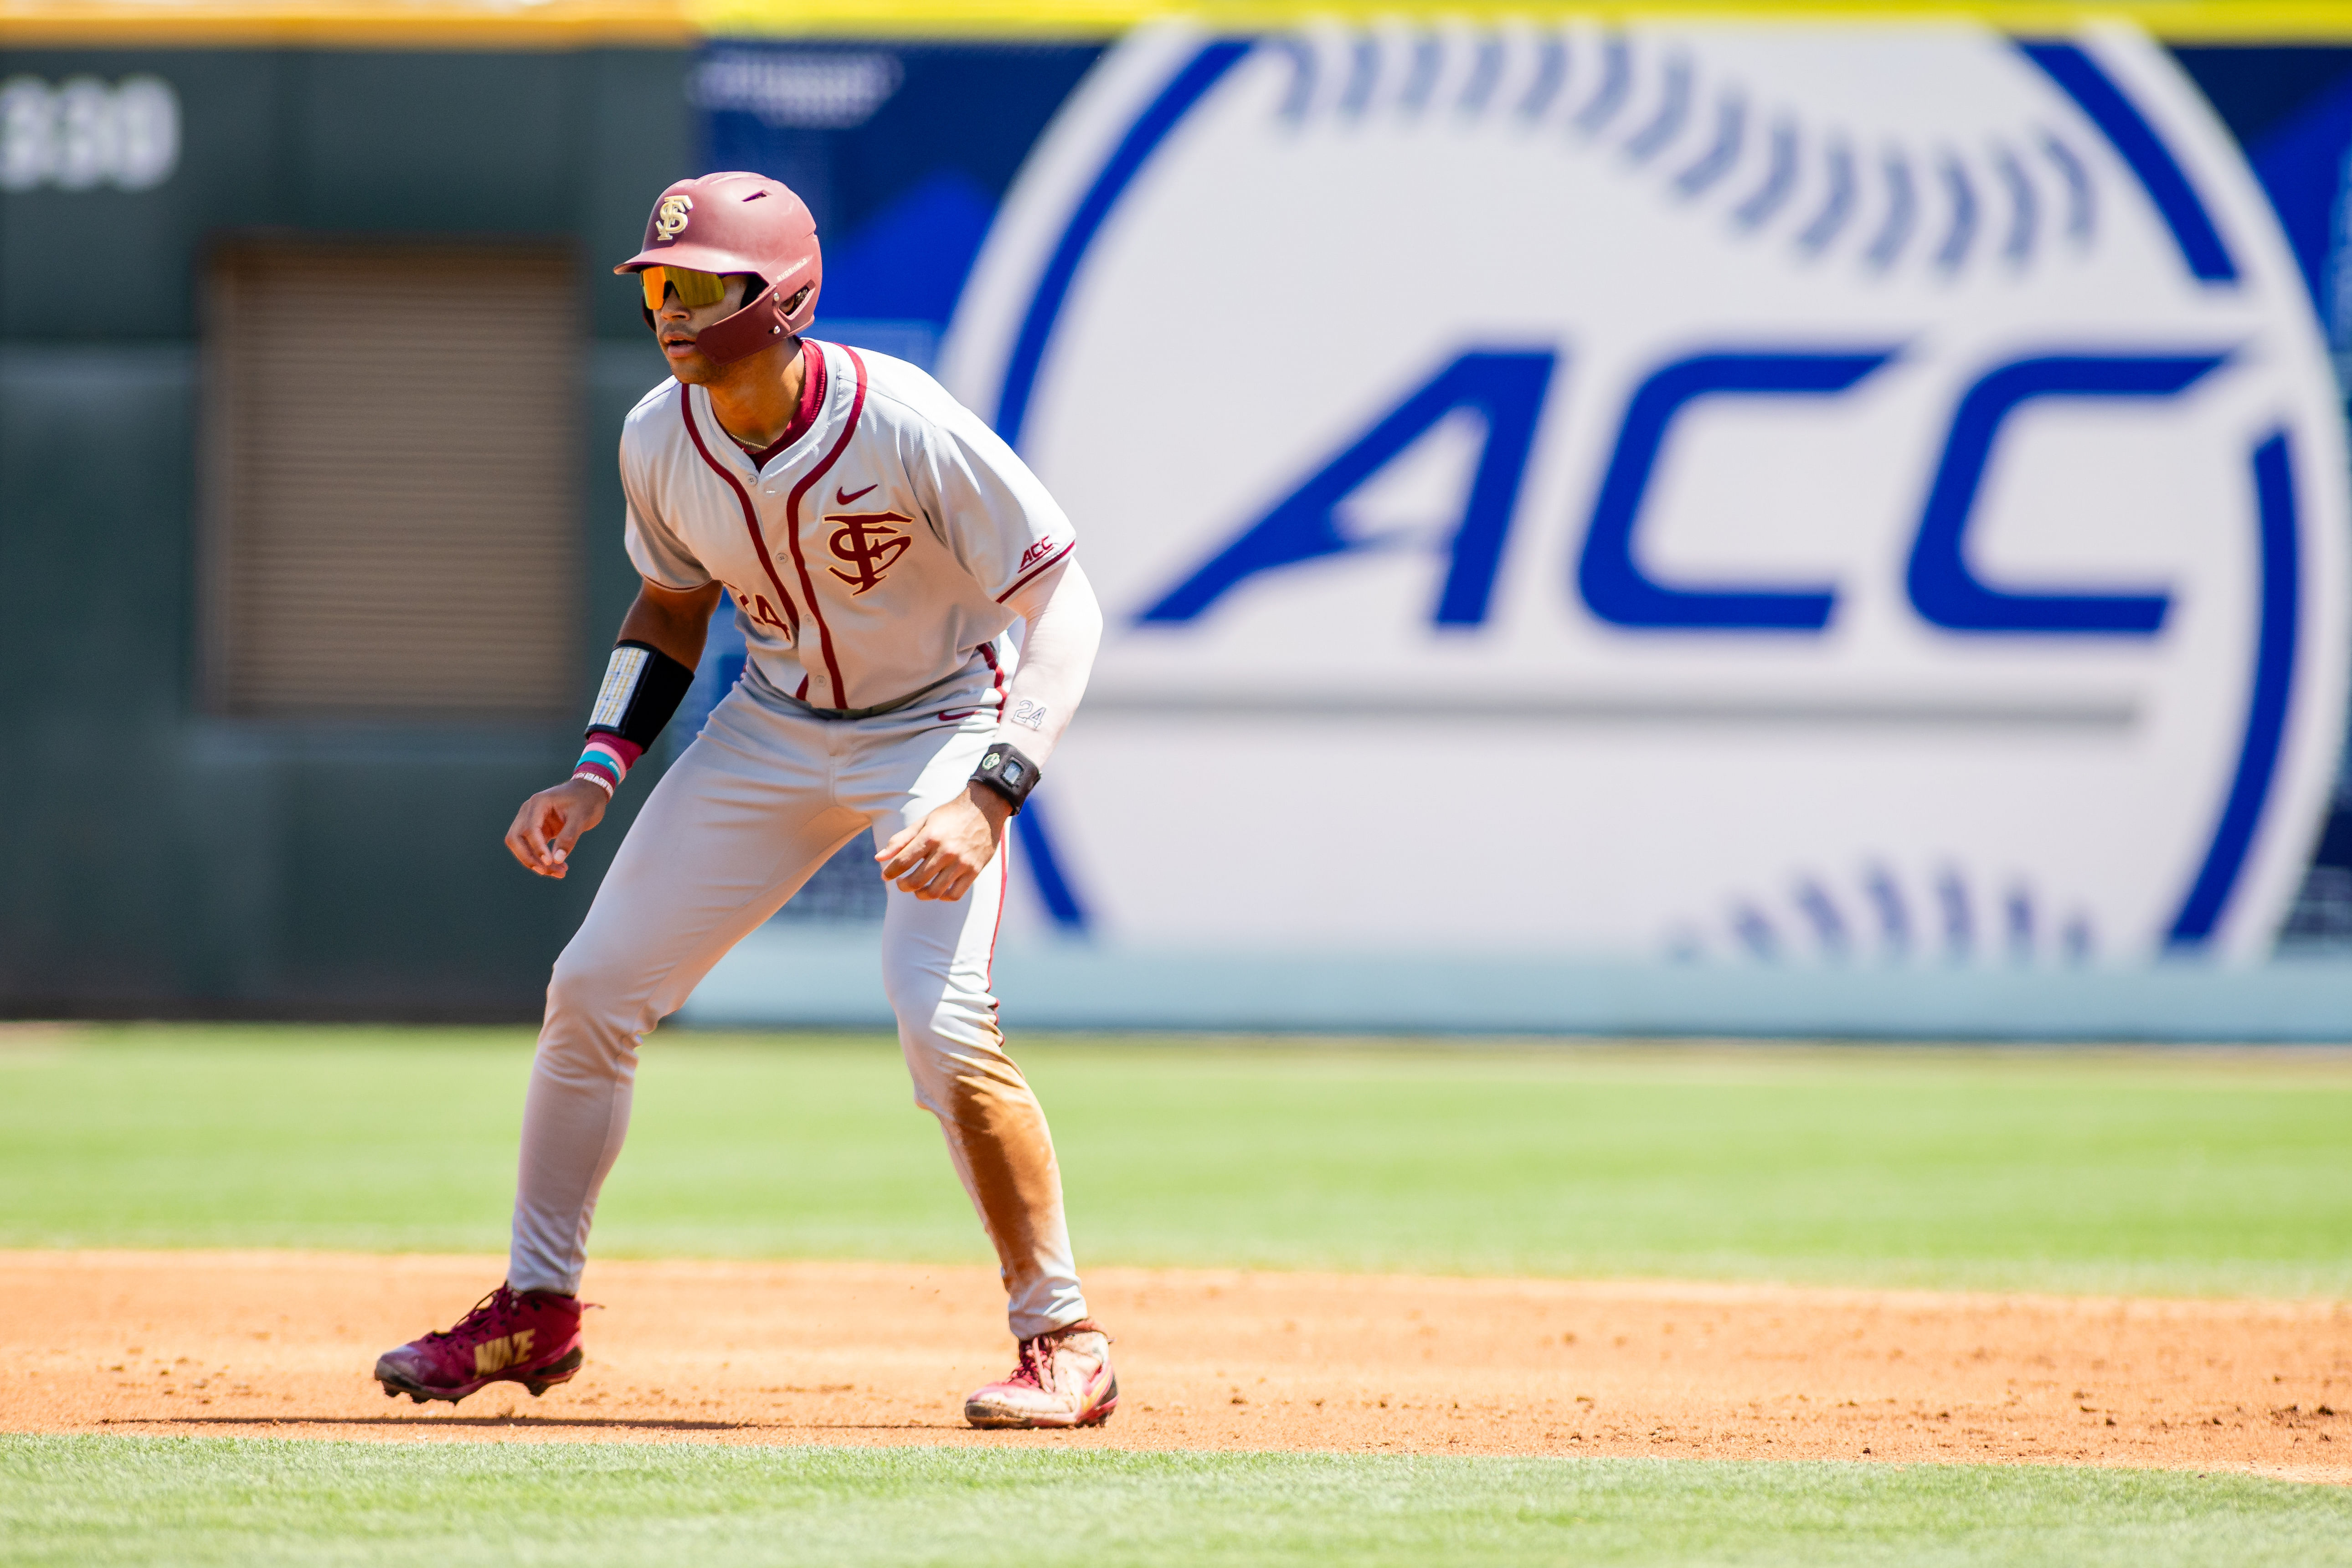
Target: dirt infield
[280,1344]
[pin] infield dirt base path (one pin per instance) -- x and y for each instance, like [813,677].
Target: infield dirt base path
[280,1344]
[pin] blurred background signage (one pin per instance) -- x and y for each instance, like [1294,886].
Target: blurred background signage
[1711,524]
[84,133]
[1698,491]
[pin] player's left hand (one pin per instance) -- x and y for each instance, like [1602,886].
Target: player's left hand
[941,856]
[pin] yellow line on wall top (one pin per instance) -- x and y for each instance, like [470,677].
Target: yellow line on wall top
[572,24]
[2214,20]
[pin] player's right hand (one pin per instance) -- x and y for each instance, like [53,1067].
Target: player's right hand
[552,822]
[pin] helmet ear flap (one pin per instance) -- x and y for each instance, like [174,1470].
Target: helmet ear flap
[757,324]
[799,310]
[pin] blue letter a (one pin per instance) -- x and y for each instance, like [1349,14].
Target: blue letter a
[1506,388]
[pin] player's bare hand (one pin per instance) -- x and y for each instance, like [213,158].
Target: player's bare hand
[941,856]
[552,822]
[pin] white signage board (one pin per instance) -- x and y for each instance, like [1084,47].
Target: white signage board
[1807,493]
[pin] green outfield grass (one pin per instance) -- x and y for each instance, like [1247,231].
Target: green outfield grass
[2070,1170]
[98,1501]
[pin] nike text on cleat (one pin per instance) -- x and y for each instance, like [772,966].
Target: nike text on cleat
[1064,1379]
[530,1336]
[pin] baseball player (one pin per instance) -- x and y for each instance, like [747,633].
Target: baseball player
[878,543]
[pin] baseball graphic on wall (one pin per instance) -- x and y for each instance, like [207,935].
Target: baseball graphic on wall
[1794,494]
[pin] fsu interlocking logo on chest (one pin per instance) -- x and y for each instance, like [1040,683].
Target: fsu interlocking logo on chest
[868,541]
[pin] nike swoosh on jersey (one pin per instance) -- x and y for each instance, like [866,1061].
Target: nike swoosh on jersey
[842,498]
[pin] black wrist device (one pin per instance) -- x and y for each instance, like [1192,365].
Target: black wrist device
[643,686]
[1005,770]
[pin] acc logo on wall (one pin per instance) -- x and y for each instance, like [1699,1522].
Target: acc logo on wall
[1807,493]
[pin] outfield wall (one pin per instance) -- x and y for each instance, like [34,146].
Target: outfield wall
[1715,525]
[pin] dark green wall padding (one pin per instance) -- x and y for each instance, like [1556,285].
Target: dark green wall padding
[154,858]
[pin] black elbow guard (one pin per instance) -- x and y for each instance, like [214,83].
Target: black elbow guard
[643,686]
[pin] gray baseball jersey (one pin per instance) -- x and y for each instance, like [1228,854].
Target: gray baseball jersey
[873,559]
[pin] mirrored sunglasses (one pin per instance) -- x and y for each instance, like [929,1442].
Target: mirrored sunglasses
[695,289]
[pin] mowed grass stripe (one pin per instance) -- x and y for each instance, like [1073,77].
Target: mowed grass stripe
[100,1500]
[2147,1173]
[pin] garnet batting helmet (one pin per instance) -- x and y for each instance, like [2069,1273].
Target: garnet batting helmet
[739,223]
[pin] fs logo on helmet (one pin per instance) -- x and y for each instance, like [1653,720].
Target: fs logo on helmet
[669,221]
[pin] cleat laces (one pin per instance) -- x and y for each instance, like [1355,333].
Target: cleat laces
[1031,1369]
[484,1310]
[502,1301]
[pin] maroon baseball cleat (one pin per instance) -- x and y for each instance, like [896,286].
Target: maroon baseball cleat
[1064,1379]
[530,1336]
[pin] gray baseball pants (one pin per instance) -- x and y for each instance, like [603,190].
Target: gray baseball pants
[760,800]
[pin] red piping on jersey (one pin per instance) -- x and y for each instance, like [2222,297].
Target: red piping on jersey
[750,514]
[989,654]
[1045,565]
[811,403]
[792,517]
[957,714]
[1004,852]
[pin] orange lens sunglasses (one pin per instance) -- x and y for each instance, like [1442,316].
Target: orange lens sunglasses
[695,289]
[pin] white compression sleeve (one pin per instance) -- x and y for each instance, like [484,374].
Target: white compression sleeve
[1057,654]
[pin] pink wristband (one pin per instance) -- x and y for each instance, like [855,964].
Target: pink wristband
[606,761]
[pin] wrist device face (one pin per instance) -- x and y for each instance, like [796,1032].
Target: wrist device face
[1005,769]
